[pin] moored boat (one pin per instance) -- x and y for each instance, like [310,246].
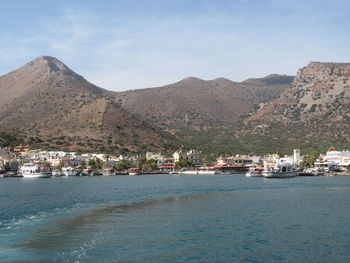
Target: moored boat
[255,172]
[279,170]
[56,173]
[134,171]
[201,171]
[69,171]
[32,170]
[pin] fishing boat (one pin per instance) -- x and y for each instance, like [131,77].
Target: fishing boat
[255,172]
[279,170]
[33,170]
[134,171]
[69,171]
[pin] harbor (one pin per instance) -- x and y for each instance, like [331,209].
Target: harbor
[21,161]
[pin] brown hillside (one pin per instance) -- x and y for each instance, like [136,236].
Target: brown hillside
[52,106]
[198,104]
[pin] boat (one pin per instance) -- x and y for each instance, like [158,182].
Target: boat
[279,170]
[56,173]
[33,170]
[255,172]
[311,172]
[134,171]
[201,171]
[108,172]
[69,171]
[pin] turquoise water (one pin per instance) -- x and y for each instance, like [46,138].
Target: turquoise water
[164,218]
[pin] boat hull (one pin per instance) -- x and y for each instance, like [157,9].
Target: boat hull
[70,174]
[199,172]
[279,174]
[249,174]
[37,175]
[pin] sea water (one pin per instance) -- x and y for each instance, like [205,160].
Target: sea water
[175,218]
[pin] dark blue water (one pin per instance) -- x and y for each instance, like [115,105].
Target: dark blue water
[163,218]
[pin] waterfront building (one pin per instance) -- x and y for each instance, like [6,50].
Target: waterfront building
[195,157]
[340,158]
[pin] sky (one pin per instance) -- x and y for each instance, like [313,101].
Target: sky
[127,44]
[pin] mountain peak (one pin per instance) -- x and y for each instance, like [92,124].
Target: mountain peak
[190,82]
[192,79]
[50,63]
[223,81]
[272,79]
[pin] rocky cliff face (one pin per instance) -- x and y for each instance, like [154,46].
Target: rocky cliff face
[320,90]
[315,110]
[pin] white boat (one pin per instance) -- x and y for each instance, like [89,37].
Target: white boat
[32,170]
[134,171]
[279,170]
[201,171]
[69,171]
[255,172]
[56,173]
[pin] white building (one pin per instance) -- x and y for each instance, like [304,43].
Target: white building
[153,155]
[178,155]
[341,158]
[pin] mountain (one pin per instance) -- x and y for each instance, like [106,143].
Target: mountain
[313,112]
[273,79]
[48,105]
[196,104]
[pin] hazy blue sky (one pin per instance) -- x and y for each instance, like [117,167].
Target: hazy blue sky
[126,44]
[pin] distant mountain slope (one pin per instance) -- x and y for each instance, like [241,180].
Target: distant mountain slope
[314,111]
[197,104]
[51,106]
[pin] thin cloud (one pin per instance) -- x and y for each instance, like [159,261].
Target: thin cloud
[122,52]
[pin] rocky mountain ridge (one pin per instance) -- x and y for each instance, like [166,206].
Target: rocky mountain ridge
[46,104]
[313,112]
[196,104]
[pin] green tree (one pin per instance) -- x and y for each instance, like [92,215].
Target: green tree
[182,163]
[310,158]
[150,165]
[99,163]
[141,162]
[123,165]
[83,163]
[92,163]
